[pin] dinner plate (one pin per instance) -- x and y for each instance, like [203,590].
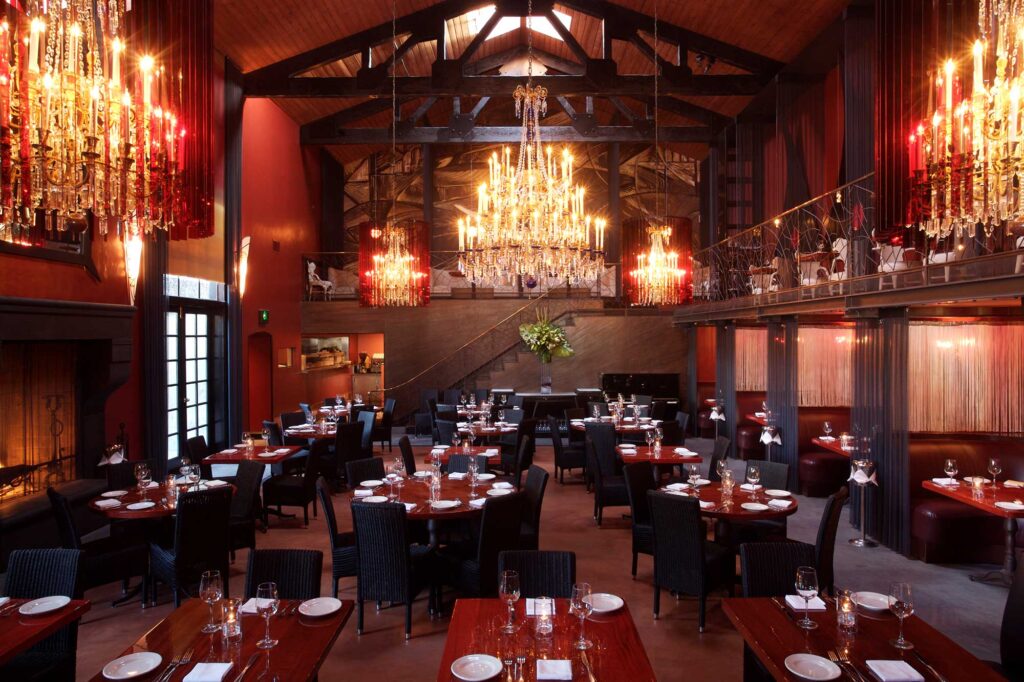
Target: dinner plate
[371,483]
[319,607]
[375,499]
[137,506]
[777,493]
[969,480]
[114,493]
[1010,506]
[502,484]
[38,607]
[445,504]
[485,477]
[267,454]
[703,481]
[755,506]
[604,602]
[132,665]
[872,601]
[811,667]
[422,474]
[498,492]
[476,667]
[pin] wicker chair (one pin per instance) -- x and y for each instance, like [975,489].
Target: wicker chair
[609,488]
[445,431]
[773,474]
[684,560]
[289,419]
[367,419]
[197,451]
[296,490]
[458,463]
[825,544]
[201,543]
[389,568]
[639,480]
[35,573]
[536,482]
[295,571]
[343,545]
[245,505]
[565,457]
[768,569]
[408,456]
[473,569]
[364,469]
[382,430]
[541,574]
[276,435]
[348,445]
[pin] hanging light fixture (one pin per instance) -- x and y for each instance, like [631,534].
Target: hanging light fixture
[531,219]
[132,263]
[658,279]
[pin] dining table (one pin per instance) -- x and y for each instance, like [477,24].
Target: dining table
[669,455]
[480,431]
[832,444]
[19,633]
[272,454]
[998,500]
[303,643]
[759,418]
[162,505]
[622,427]
[770,634]
[617,652]
[717,505]
[492,452]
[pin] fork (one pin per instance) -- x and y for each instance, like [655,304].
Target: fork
[182,659]
[843,660]
[520,662]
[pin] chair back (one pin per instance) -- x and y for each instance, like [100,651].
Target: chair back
[329,401]
[499,531]
[644,399]
[306,412]
[66,530]
[526,429]
[659,409]
[408,456]
[314,467]
[382,548]
[555,429]
[769,568]
[447,407]
[514,416]
[247,484]
[536,482]
[364,469]
[671,433]
[35,573]
[348,443]
[122,476]
[720,452]
[773,474]
[445,431]
[276,436]
[603,436]
[593,466]
[296,572]
[426,396]
[575,413]
[388,416]
[323,491]
[1011,632]
[367,418]
[683,419]
[452,396]
[602,407]
[197,449]
[202,532]
[541,573]
[524,460]
[515,401]
[639,480]
[825,546]
[458,463]
[289,419]
[678,542]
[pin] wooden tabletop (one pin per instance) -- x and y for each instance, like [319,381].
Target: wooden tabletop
[832,446]
[732,509]
[763,421]
[617,654]
[157,495]
[18,632]
[416,491]
[461,450]
[987,503]
[259,454]
[773,635]
[328,432]
[489,431]
[668,456]
[624,426]
[303,642]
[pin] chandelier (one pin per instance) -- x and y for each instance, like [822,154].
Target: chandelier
[531,219]
[658,279]
[82,127]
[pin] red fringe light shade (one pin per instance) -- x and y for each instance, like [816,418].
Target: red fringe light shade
[394,264]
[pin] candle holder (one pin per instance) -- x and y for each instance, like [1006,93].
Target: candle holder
[231,625]
[544,610]
[846,611]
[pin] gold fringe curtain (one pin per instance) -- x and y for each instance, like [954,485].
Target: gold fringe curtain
[751,356]
[966,378]
[825,364]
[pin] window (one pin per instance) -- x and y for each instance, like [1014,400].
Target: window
[188,377]
[476,19]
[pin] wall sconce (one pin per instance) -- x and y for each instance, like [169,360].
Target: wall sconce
[132,263]
[243,265]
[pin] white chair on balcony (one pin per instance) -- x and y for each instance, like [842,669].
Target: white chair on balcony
[944,258]
[701,282]
[345,282]
[763,283]
[891,259]
[840,248]
[314,283]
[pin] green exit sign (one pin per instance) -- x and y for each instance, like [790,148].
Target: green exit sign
[264,316]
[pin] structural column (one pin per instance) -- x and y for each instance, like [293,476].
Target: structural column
[234,101]
[613,238]
[154,349]
[692,399]
[725,379]
[782,391]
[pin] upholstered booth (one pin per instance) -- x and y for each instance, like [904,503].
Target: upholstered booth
[821,472]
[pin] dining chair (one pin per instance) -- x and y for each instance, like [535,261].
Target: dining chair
[306,412]
[768,569]
[565,457]
[245,505]
[458,463]
[575,437]
[33,574]
[541,573]
[343,545]
[536,482]
[684,560]
[296,490]
[473,570]
[683,419]
[603,435]
[329,401]
[408,456]
[524,460]
[276,436]
[609,488]
[773,474]
[197,451]
[367,468]
[511,450]
[122,476]
[367,419]
[671,435]
[201,542]
[289,419]
[602,408]
[720,453]
[445,431]
[382,429]
[640,478]
[296,572]
[825,543]
[514,401]
[1011,630]
[348,445]
[389,568]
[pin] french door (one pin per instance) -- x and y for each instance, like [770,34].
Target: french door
[189,371]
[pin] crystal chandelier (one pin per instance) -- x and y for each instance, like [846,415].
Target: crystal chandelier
[531,219]
[658,279]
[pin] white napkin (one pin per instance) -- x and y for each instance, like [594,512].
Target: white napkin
[684,452]
[860,478]
[531,605]
[4,600]
[553,670]
[627,448]
[796,603]
[827,439]
[215,483]
[409,506]
[462,425]
[457,476]
[1010,506]
[282,451]
[491,452]
[1010,483]
[704,504]
[207,672]
[765,436]
[969,480]
[750,487]
[229,451]
[478,503]
[501,484]
[106,504]
[894,671]
[249,606]
[717,415]
[945,481]
[677,486]
[362,493]
[780,504]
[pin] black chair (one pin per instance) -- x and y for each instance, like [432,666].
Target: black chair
[367,418]
[36,573]
[343,545]
[296,490]
[245,505]
[104,559]
[609,488]
[825,545]
[671,436]
[576,438]
[382,430]
[389,568]
[773,474]
[445,431]
[198,451]
[330,401]
[408,456]
[306,412]
[122,476]
[513,455]
[565,458]
[640,478]
[1011,631]
[514,401]
[473,568]
[683,419]
[202,540]
[458,463]
[289,419]
[536,482]
[720,452]
[348,445]
[602,408]
[364,469]
[295,571]
[768,569]
[275,434]
[524,460]
[541,574]
[684,560]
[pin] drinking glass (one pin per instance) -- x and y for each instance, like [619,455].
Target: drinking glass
[597,412]
[398,469]
[504,398]
[827,428]
[649,437]
[754,477]
[211,589]
[807,587]
[694,476]
[501,415]
[720,467]
[901,603]
[509,592]
[994,468]
[473,470]
[950,469]
[266,606]
[247,442]
[143,476]
[581,607]
[192,477]
[266,439]
[390,480]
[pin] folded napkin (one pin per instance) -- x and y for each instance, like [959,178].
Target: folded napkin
[750,487]
[491,452]
[894,671]
[4,600]
[478,503]
[945,481]
[362,493]
[282,451]
[531,606]
[796,603]
[215,483]
[780,504]
[106,504]
[761,415]
[680,493]
[1010,483]
[229,451]
[208,672]
[684,452]
[553,670]
[409,506]
[827,439]
[249,606]
[462,425]
[704,504]
[590,419]
[627,448]
[501,484]
[456,476]
[677,486]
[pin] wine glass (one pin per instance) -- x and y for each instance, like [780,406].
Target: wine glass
[754,476]
[390,480]
[827,428]
[266,606]
[266,439]
[310,418]
[143,476]
[596,412]
[473,470]
[398,469]
[501,416]
[504,398]
[649,437]
[581,607]
[807,587]
[994,468]
[211,589]
[693,471]
[950,469]
[720,467]
[509,592]
[192,477]
[901,603]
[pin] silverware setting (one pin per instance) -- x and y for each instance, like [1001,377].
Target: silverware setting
[782,607]
[249,664]
[10,608]
[183,659]
[520,662]
[586,665]
[928,667]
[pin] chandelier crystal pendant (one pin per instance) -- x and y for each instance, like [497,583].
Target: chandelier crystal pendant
[658,279]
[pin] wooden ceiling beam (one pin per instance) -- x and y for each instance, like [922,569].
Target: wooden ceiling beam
[499,59]
[332,123]
[567,37]
[691,111]
[510,135]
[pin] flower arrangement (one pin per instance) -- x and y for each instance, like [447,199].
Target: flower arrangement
[545,339]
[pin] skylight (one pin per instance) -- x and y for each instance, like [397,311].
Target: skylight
[476,19]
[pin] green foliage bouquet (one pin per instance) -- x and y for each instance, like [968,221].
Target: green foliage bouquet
[545,339]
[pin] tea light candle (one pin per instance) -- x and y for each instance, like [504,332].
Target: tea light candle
[231,627]
[543,609]
[846,610]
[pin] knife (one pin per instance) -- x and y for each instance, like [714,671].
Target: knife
[586,664]
[248,665]
[782,607]
[930,669]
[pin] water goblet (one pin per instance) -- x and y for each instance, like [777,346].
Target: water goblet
[807,587]
[901,603]
[649,437]
[473,470]
[144,476]
[994,468]
[581,606]
[950,468]
[266,439]
[693,471]
[211,589]
[266,605]
[827,428]
[509,592]
[754,477]
[720,467]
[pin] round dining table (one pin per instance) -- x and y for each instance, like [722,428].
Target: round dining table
[626,426]
[668,455]
[162,507]
[447,451]
[480,431]
[730,508]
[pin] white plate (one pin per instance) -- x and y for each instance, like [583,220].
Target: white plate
[422,474]
[502,485]
[485,477]
[810,667]
[604,602]
[872,601]
[755,506]
[1010,506]
[969,480]
[267,454]
[476,667]
[445,504]
[132,665]
[321,606]
[38,607]
[370,483]
[498,492]
[114,493]
[136,506]
[777,493]
[375,499]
